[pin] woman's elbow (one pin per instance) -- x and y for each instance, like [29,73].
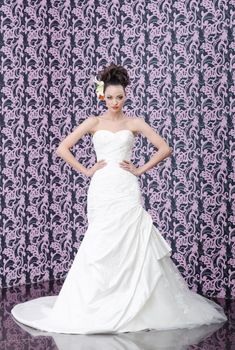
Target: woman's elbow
[169,151]
[59,150]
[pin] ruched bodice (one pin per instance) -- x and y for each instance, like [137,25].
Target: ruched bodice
[113,146]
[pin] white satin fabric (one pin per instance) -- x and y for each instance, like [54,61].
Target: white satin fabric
[122,278]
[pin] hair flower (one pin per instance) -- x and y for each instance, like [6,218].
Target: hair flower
[99,89]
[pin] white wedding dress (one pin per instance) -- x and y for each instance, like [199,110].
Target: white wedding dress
[122,278]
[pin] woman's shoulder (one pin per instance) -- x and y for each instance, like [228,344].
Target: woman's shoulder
[134,123]
[137,121]
[133,117]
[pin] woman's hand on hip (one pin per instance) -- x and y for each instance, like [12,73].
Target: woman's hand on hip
[127,165]
[98,165]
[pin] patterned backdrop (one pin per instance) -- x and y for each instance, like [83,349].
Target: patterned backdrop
[179,55]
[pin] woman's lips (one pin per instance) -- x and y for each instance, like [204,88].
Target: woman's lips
[115,107]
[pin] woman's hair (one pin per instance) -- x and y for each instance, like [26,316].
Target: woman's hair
[114,75]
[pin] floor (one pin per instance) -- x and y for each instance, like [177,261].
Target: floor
[17,336]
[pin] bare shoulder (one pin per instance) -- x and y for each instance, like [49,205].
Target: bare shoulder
[89,124]
[86,126]
[137,124]
[149,132]
[92,120]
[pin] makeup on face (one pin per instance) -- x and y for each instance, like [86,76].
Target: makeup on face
[116,106]
[115,97]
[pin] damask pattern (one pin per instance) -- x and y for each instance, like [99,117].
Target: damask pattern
[179,55]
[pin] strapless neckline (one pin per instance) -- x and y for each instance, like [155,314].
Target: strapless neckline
[113,132]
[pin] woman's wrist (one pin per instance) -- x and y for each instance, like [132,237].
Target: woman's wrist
[140,171]
[86,172]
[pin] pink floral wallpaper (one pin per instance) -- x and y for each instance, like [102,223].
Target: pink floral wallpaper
[180,56]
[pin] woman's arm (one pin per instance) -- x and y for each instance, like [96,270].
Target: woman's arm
[70,140]
[164,150]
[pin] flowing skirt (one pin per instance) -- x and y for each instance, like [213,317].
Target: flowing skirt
[122,278]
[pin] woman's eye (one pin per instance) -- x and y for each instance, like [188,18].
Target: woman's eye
[120,97]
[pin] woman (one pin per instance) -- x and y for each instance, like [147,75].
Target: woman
[122,278]
[114,120]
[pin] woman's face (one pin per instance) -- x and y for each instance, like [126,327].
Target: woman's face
[114,97]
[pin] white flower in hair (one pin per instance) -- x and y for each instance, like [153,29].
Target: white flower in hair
[99,88]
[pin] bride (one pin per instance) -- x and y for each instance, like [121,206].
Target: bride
[114,121]
[122,278]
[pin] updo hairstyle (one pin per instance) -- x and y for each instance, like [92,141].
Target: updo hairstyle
[114,75]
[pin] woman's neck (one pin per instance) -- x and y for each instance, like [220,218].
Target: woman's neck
[114,116]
